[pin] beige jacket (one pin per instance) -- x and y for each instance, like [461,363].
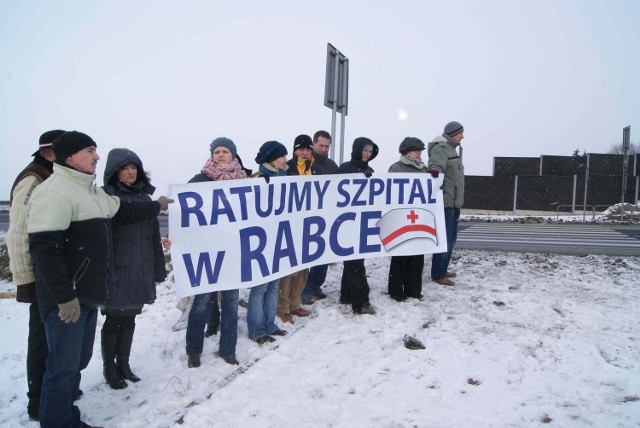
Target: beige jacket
[20,262]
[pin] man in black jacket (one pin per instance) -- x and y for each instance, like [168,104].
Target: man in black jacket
[70,240]
[317,274]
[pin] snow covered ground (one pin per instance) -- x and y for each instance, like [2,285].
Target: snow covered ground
[522,340]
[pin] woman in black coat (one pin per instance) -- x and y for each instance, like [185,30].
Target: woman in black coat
[354,288]
[139,264]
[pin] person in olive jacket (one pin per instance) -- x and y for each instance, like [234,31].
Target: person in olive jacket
[444,158]
[139,264]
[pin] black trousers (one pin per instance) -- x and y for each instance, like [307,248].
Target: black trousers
[37,352]
[405,276]
[354,285]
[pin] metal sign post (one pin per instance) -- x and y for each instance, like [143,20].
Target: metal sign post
[336,93]
[626,131]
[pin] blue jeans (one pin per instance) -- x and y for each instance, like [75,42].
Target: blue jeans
[440,261]
[199,315]
[261,309]
[317,275]
[70,349]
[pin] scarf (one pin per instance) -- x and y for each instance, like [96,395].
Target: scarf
[215,171]
[268,169]
[414,162]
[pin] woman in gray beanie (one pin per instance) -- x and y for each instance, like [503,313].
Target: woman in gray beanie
[222,165]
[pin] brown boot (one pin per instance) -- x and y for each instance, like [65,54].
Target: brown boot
[286,318]
[301,312]
[444,281]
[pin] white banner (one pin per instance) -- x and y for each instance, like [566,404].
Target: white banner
[241,233]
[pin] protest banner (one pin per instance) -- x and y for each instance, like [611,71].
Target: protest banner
[241,233]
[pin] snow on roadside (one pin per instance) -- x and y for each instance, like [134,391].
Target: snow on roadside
[522,340]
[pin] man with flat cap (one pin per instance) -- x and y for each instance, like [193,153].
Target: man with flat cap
[21,265]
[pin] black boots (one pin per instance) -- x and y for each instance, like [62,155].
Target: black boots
[110,371]
[124,350]
[117,337]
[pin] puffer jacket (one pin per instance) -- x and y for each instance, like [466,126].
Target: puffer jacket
[444,157]
[356,164]
[70,239]
[138,258]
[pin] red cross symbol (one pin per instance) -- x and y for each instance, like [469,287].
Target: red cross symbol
[412,216]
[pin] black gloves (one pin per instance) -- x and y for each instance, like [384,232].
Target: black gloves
[26,293]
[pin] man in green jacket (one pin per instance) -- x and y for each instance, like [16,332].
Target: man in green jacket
[444,158]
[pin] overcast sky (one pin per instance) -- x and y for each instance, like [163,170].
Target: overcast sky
[164,78]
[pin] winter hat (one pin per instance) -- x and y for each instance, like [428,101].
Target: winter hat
[224,142]
[46,139]
[302,141]
[410,144]
[453,128]
[69,143]
[269,151]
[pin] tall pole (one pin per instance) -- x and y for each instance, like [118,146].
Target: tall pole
[336,94]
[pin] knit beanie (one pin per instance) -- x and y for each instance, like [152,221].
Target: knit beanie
[270,151]
[409,144]
[302,141]
[46,139]
[224,142]
[453,128]
[69,143]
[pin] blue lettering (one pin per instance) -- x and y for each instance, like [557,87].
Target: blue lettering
[283,193]
[263,212]
[417,192]
[366,231]
[221,206]
[242,197]
[247,254]
[356,199]
[204,263]
[298,198]
[287,250]
[185,209]
[333,237]
[401,182]
[309,237]
[344,193]
[321,192]
[376,187]
[431,199]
